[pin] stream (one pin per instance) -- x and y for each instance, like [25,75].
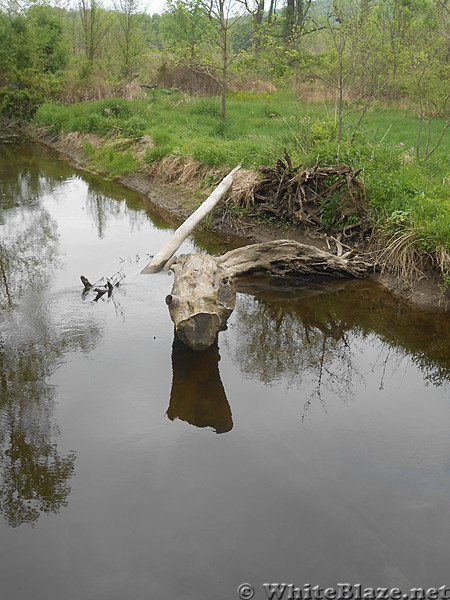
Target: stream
[311,445]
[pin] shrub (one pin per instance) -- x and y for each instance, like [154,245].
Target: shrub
[18,104]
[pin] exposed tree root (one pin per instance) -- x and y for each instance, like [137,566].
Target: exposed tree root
[330,197]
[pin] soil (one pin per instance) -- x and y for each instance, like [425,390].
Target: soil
[175,203]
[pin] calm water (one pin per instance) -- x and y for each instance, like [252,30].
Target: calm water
[311,446]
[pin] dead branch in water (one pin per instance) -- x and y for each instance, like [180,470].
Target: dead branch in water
[102,286]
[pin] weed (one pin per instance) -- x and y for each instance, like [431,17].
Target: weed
[205,107]
[134,127]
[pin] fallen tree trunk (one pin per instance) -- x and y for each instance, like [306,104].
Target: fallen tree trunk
[286,257]
[203,294]
[166,253]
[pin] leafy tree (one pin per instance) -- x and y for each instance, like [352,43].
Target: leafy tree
[50,44]
[33,54]
[95,23]
[255,9]
[223,19]
[207,28]
[426,74]
[350,64]
[182,28]
[294,19]
[394,20]
[130,37]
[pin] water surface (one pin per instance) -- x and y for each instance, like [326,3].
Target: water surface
[310,446]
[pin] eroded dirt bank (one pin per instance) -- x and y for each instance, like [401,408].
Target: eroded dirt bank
[175,203]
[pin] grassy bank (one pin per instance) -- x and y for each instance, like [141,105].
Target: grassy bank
[408,198]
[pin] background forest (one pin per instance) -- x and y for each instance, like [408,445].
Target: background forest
[356,51]
[209,84]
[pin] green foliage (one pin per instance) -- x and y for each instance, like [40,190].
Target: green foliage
[211,155]
[321,132]
[269,111]
[154,154]
[330,212]
[134,127]
[205,107]
[183,26]
[51,47]
[116,107]
[18,104]
[113,161]
[161,137]
[105,117]
[33,54]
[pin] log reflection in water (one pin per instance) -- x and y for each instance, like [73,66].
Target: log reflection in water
[197,395]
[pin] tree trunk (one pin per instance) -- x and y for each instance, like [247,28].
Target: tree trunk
[224,82]
[289,258]
[203,294]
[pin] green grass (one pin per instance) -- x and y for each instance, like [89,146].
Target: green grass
[112,160]
[403,193]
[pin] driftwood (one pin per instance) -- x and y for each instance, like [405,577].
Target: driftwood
[85,281]
[164,255]
[289,258]
[203,294]
[99,288]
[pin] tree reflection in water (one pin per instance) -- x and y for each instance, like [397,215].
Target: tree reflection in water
[313,330]
[34,335]
[277,341]
[28,255]
[104,205]
[35,475]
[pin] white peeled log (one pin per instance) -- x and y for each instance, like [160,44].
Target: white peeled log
[166,253]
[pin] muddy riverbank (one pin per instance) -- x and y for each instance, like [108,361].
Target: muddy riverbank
[175,203]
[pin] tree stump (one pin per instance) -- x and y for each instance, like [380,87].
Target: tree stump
[202,299]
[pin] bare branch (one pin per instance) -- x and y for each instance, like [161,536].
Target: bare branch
[447,125]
